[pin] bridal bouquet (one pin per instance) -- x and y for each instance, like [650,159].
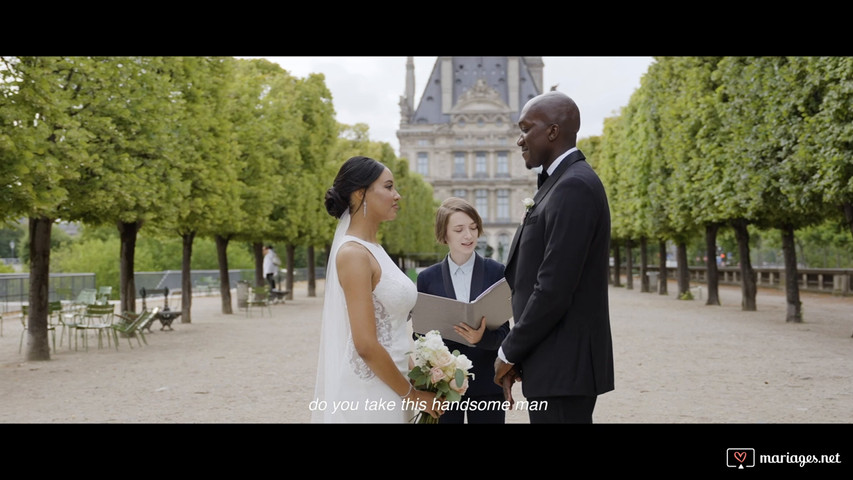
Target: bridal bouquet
[438,370]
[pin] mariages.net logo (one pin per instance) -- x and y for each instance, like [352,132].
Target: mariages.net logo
[742,458]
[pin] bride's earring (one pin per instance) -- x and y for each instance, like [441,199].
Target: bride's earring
[364,207]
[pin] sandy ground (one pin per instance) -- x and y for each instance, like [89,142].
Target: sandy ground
[676,362]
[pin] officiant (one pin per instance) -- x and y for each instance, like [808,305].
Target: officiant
[463,275]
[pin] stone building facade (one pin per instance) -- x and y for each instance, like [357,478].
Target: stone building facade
[461,137]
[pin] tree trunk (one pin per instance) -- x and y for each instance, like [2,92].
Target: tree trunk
[617,265]
[629,264]
[312,273]
[291,261]
[644,277]
[747,274]
[662,282]
[127,232]
[38,347]
[792,288]
[711,275]
[847,208]
[683,272]
[224,281]
[258,252]
[186,277]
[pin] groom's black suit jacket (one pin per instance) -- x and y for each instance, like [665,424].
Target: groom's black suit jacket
[557,269]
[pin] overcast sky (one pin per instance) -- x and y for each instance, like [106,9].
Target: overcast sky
[368,89]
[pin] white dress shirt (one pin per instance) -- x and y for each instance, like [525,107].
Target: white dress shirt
[558,160]
[461,276]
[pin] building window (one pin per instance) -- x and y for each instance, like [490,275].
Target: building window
[459,170]
[480,170]
[423,163]
[483,248]
[503,247]
[460,192]
[502,213]
[502,169]
[481,203]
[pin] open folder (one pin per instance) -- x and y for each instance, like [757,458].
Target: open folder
[432,312]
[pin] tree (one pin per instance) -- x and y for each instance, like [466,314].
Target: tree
[608,169]
[45,144]
[774,96]
[205,150]
[827,136]
[134,178]
[303,212]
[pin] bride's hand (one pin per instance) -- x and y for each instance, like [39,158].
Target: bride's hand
[428,401]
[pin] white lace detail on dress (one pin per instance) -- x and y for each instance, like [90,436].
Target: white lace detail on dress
[383,334]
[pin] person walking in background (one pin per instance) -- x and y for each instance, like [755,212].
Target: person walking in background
[464,275]
[560,345]
[271,265]
[362,371]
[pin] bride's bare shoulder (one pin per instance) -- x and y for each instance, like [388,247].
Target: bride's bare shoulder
[353,253]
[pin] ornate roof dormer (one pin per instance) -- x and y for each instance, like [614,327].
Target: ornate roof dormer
[481,98]
[488,84]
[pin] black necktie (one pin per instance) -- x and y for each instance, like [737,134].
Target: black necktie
[542,177]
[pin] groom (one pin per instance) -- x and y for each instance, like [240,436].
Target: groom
[560,344]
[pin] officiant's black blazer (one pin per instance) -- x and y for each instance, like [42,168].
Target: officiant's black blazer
[557,269]
[436,280]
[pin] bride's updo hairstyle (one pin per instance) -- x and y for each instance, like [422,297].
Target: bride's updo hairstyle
[356,173]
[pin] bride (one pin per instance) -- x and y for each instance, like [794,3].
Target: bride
[365,340]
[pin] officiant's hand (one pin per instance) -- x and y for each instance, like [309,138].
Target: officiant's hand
[472,335]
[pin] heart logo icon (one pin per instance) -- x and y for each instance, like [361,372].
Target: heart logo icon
[740,456]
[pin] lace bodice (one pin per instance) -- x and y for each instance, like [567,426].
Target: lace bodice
[393,298]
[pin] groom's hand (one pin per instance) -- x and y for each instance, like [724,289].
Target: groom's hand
[506,386]
[505,376]
[501,369]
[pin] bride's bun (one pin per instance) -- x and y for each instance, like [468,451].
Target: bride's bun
[357,173]
[335,205]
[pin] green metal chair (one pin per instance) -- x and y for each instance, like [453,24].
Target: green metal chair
[259,297]
[87,296]
[103,295]
[98,318]
[132,327]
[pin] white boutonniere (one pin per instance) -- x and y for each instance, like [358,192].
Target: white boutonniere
[528,204]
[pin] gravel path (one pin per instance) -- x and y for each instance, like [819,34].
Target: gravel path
[676,362]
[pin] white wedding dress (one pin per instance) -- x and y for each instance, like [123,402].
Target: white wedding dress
[347,390]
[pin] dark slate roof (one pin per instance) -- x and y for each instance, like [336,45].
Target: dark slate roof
[466,71]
